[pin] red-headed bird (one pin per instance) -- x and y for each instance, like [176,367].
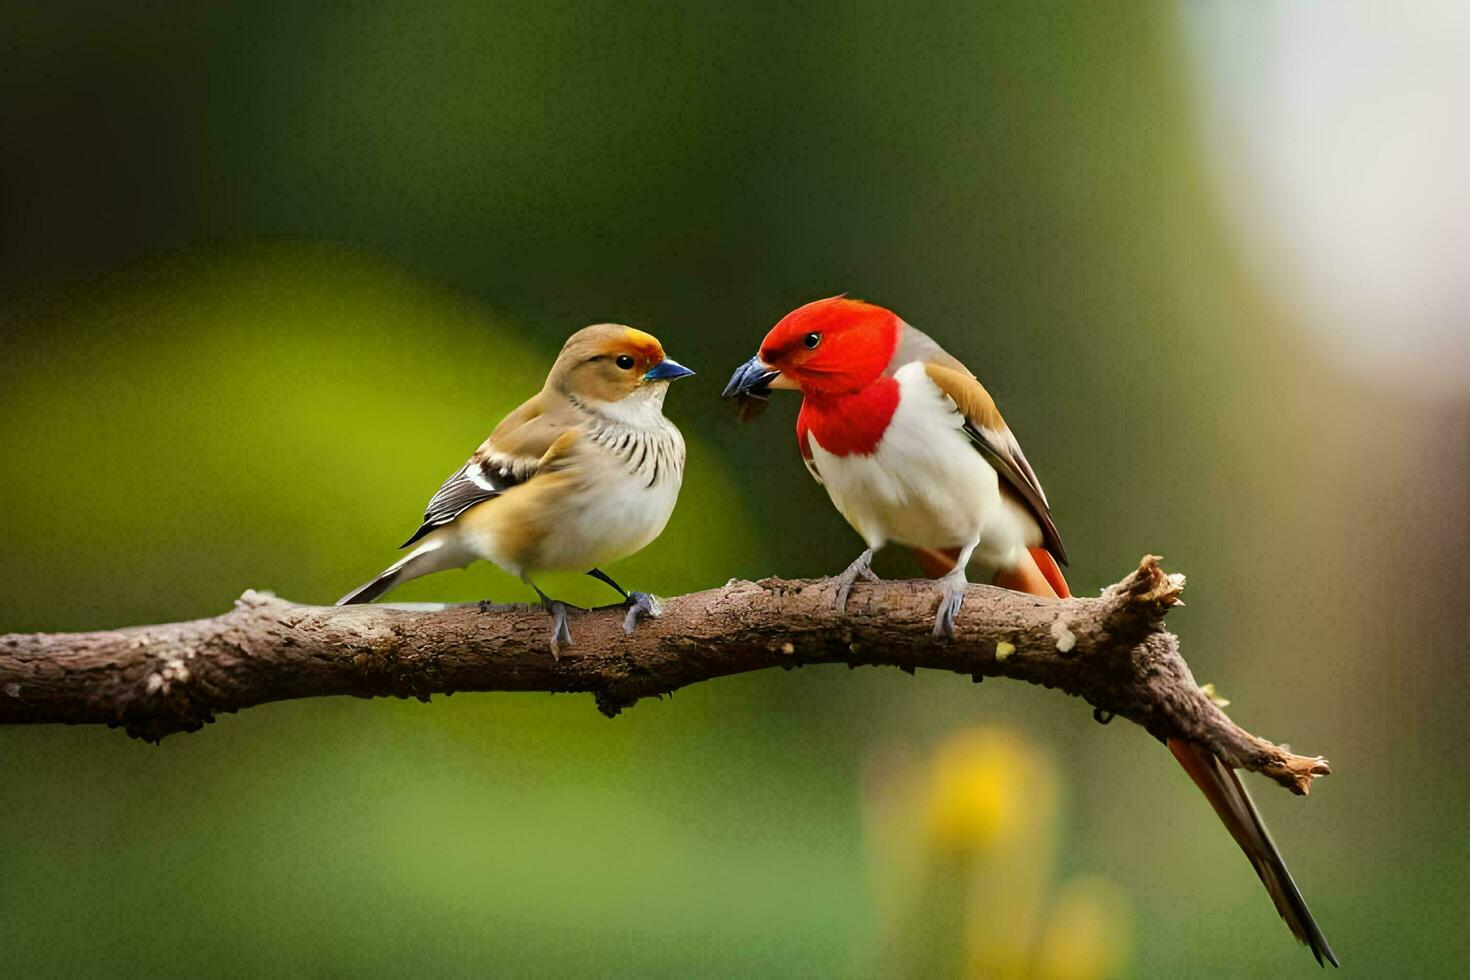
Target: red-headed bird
[913,451]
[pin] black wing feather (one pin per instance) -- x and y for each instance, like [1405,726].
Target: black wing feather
[475,482]
[1011,464]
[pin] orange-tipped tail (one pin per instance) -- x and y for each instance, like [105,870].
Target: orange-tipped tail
[1223,789]
[1051,571]
[1036,574]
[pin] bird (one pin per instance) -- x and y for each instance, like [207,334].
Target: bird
[912,451]
[583,473]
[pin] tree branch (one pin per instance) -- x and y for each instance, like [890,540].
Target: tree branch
[1112,651]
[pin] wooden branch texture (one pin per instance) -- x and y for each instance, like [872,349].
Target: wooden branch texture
[1112,651]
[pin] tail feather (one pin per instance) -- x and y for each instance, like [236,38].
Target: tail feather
[427,557]
[371,590]
[1233,805]
[1029,575]
[1035,574]
[1047,565]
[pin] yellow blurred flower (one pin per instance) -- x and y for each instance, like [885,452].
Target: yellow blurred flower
[983,784]
[964,851]
[1088,934]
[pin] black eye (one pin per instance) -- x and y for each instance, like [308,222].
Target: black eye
[625,361]
[811,340]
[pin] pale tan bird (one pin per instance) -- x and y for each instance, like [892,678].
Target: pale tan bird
[584,473]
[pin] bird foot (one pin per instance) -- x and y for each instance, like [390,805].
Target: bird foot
[861,568]
[561,635]
[951,598]
[641,604]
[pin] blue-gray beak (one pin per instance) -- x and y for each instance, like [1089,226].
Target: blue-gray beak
[666,370]
[752,378]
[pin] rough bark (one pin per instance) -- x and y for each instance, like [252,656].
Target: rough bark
[153,681]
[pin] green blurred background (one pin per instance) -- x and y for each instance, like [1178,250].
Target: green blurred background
[268,274]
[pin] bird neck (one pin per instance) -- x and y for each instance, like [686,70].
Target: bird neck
[848,423]
[642,408]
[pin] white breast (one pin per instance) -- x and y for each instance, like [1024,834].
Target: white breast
[925,485]
[611,495]
[622,507]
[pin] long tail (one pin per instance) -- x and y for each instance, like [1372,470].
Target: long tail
[430,556]
[1040,576]
[1223,789]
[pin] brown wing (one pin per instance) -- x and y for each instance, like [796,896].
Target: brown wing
[993,438]
[511,456]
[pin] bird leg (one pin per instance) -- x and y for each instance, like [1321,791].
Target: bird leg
[638,604]
[861,568]
[560,635]
[641,604]
[952,594]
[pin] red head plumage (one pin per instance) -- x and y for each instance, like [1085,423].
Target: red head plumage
[833,346]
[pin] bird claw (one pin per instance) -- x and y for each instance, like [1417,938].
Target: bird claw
[944,617]
[641,604]
[861,568]
[561,635]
